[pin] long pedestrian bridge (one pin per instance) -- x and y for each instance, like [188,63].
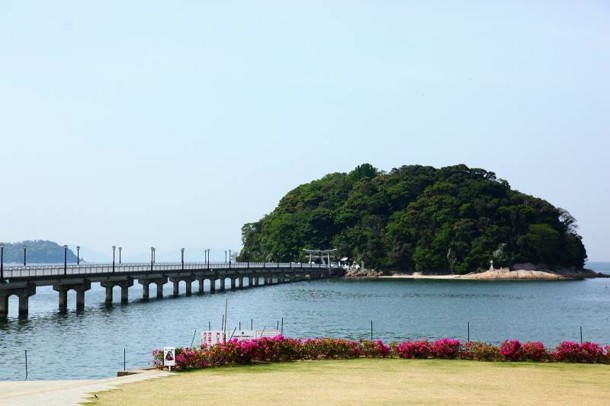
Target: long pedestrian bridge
[22,281]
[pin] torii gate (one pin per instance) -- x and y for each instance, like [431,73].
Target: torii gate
[322,254]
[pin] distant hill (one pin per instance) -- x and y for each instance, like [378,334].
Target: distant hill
[38,252]
[416,218]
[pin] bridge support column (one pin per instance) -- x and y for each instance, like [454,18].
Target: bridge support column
[201,287]
[125,285]
[145,282]
[145,289]
[222,284]
[63,299]
[80,298]
[123,282]
[23,305]
[125,292]
[176,281]
[79,286]
[108,293]
[212,285]
[23,291]
[3,307]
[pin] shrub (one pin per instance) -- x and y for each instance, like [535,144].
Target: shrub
[511,350]
[569,351]
[374,349]
[446,348]
[278,349]
[534,351]
[478,351]
[414,349]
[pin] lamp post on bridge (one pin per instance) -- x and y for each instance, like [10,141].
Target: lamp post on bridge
[120,249]
[65,259]
[1,262]
[182,257]
[152,258]
[25,254]
[113,256]
[78,255]
[229,258]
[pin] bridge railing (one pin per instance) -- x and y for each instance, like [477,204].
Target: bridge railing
[37,271]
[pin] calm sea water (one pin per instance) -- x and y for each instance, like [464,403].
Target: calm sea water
[90,344]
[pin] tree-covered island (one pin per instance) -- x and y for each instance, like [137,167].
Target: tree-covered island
[417,219]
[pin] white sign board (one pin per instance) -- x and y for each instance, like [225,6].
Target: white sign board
[213,337]
[267,333]
[244,335]
[169,356]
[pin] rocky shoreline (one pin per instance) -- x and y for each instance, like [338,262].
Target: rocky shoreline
[523,272]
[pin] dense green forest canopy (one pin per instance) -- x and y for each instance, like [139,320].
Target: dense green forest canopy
[416,218]
[37,252]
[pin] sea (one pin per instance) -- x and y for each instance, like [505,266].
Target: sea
[101,340]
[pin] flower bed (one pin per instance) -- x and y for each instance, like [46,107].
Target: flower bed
[281,349]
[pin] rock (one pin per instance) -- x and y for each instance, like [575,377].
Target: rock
[362,273]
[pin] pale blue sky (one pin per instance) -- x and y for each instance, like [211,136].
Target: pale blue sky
[173,123]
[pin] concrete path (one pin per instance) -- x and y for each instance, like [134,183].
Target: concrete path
[52,393]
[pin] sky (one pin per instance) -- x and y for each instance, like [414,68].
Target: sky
[173,123]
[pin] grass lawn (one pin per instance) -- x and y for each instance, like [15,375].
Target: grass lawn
[374,381]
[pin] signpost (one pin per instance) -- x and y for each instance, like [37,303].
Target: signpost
[169,357]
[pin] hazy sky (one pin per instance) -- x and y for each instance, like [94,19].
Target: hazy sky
[173,123]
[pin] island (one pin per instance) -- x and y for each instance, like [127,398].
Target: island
[419,220]
[36,252]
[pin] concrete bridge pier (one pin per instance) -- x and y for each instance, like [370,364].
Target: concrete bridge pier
[145,290]
[79,287]
[125,284]
[125,290]
[212,285]
[145,282]
[201,282]
[222,284]
[24,291]
[189,284]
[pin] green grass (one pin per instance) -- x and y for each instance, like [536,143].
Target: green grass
[374,381]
